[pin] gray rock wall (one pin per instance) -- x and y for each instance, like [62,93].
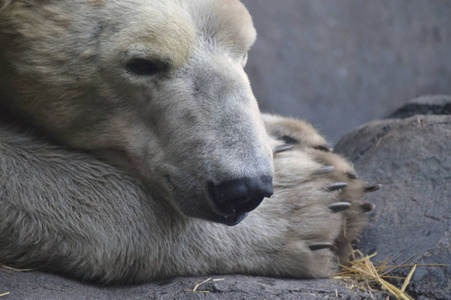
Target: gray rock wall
[342,63]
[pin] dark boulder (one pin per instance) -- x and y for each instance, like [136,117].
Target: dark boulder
[426,105]
[411,157]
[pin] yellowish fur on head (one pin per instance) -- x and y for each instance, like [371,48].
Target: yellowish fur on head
[167,35]
[228,22]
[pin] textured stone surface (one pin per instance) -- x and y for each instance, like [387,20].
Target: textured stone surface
[340,64]
[39,286]
[411,158]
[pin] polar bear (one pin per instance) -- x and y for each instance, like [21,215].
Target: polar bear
[132,149]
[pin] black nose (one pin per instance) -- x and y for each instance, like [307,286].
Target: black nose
[239,196]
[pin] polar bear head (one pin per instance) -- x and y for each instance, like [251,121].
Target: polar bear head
[157,86]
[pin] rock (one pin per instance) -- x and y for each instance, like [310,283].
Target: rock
[37,286]
[411,157]
[426,105]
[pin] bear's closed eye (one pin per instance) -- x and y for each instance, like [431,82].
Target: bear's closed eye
[141,66]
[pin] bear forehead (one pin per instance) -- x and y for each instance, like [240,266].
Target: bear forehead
[162,29]
[175,26]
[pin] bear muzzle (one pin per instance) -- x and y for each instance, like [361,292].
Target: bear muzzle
[234,199]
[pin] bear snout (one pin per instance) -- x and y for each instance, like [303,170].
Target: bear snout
[235,198]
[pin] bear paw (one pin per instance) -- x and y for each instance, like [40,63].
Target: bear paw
[320,195]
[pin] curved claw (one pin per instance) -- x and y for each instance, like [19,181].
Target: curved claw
[339,206]
[352,174]
[325,148]
[366,207]
[355,241]
[336,186]
[325,170]
[319,246]
[282,148]
[372,188]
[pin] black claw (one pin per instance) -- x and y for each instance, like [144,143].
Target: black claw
[355,241]
[325,170]
[320,245]
[352,174]
[372,188]
[325,148]
[366,207]
[339,206]
[336,186]
[282,148]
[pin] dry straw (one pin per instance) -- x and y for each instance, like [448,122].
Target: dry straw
[198,284]
[6,269]
[361,273]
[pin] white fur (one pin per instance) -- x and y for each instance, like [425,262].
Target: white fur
[63,70]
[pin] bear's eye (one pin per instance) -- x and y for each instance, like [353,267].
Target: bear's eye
[141,66]
[289,139]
